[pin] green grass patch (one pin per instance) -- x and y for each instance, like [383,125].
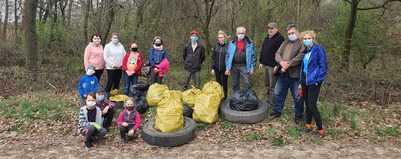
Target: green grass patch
[293,132]
[271,132]
[390,131]
[253,136]
[354,125]
[335,133]
[278,142]
[202,126]
[226,124]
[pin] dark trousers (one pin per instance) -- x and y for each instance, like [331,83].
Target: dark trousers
[92,131]
[236,73]
[222,79]
[108,118]
[196,77]
[310,95]
[113,79]
[124,130]
[98,74]
[154,77]
[129,81]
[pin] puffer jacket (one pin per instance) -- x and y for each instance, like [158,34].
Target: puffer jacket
[193,59]
[219,57]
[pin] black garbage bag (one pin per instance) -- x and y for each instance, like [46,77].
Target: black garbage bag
[141,105]
[246,100]
[139,90]
[188,111]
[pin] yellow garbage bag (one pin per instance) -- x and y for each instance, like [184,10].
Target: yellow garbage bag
[154,94]
[169,112]
[189,96]
[115,97]
[206,108]
[213,87]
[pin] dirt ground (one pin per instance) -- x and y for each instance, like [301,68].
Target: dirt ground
[71,146]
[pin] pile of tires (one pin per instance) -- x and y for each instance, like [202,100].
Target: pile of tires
[244,117]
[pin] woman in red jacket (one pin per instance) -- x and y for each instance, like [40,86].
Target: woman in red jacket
[132,64]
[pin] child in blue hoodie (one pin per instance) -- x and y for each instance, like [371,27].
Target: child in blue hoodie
[88,83]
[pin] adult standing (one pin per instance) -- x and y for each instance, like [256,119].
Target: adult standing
[314,68]
[267,59]
[218,61]
[132,64]
[289,58]
[156,55]
[193,55]
[113,55]
[241,59]
[94,55]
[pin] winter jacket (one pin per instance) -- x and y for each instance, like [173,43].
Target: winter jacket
[94,55]
[250,54]
[83,118]
[193,59]
[317,66]
[113,55]
[219,57]
[87,84]
[156,56]
[138,63]
[131,118]
[291,51]
[269,49]
[104,103]
[164,66]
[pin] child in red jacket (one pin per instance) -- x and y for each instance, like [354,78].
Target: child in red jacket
[129,120]
[132,64]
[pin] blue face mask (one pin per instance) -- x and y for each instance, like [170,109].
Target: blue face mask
[241,36]
[194,38]
[292,37]
[308,42]
[100,98]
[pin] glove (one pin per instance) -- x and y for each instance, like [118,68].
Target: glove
[300,92]
[97,126]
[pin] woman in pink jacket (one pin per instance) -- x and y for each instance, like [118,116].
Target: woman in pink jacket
[129,120]
[94,55]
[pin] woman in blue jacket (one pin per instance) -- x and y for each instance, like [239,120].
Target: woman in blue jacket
[156,55]
[313,72]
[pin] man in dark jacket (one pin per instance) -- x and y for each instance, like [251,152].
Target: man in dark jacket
[193,55]
[267,59]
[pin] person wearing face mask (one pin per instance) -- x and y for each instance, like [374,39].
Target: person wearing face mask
[241,59]
[88,83]
[129,120]
[193,55]
[90,121]
[94,55]
[219,61]
[113,55]
[106,106]
[132,65]
[289,58]
[313,73]
[157,53]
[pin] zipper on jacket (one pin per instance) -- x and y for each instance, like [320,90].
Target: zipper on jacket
[220,58]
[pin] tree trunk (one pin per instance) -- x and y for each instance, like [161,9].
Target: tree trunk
[108,9]
[141,5]
[69,13]
[209,13]
[31,43]
[5,25]
[348,34]
[86,19]
[17,40]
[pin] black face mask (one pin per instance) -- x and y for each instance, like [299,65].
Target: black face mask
[134,49]
[130,108]
[158,44]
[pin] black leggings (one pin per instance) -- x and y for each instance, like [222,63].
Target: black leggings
[221,78]
[108,118]
[124,130]
[98,74]
[310,95]
[113,79]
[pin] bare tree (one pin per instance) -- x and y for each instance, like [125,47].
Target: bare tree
[5,24]
[31,43]
[141,7]
[70,3]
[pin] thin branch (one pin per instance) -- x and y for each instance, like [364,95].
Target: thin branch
[381,6]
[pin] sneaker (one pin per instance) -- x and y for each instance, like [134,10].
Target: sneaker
[123,141]
[305,131]
[88,144]
[297,120]
[274,115]
[318,136]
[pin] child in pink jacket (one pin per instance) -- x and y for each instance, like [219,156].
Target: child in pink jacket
[162,67]
[129,120]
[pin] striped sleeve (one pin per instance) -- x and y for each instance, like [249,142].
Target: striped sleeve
[82,121]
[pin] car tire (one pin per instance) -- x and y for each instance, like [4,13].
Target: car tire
[244,117]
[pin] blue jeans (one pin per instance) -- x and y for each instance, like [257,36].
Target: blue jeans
[129,81]
[284,83]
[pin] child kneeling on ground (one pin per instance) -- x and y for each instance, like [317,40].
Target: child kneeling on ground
[90,121]
[106,106]
[129,120]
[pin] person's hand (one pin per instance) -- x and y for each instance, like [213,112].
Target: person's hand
[84,131]
[285,64]
[227,72]
[117,66]
[131,132]
[156,70]
[212,72]
[251,73]
[105,110]
[275,69]
[125,124]
[260,66]
[300,92]
[282,69]
[85,95]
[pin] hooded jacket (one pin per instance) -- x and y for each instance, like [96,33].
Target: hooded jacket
[94,55]
[317,66]
[138,63]
[113,55]
[87,84]
[83,118]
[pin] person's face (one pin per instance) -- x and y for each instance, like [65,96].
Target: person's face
[158,41]
[99,94]
[221,38]
[90,99]
[129,104]
[96,38]
[134,45]
[193,35]
[241,31]
[293,31]
[308,37]
[272,31]
[114,37]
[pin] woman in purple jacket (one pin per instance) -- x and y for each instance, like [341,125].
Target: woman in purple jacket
[313,72]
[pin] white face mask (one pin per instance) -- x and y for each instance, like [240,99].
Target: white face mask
[90,72]
[97,41]
[114,41]
[91,104]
